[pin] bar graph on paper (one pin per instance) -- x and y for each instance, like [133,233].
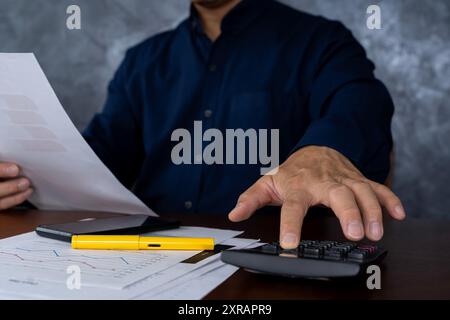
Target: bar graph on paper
[29,256]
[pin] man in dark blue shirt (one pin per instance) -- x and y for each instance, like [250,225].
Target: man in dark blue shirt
[251,65]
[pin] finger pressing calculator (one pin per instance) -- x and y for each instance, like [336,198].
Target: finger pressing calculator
[311,259]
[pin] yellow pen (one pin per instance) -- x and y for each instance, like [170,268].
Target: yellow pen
[135,242]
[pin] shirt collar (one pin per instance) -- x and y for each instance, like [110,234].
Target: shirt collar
[242,15]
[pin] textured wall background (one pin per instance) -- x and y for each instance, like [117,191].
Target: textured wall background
[412,54]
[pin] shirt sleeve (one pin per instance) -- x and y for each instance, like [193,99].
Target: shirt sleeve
[114,133]
[349,109]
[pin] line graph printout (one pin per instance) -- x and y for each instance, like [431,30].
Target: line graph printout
[30,257]
[165,282]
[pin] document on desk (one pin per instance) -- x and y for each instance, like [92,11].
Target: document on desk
[37,134]
[197,284]
[35,267]
[48,260]
[193,284]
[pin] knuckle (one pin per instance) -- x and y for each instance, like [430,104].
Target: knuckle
[295,202]
[368,181]
[243,198]
[351,212]
[303,173]
[292,184]
[373,211]
[394,202]
[390,196]
[296,183]
[3,204]
[381,188]
[18,199]
[5,167]
[337,190]
[373,208]
[358,184]
[8,187]
[393,196]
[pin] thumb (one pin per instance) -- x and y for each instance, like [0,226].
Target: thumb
[256,197]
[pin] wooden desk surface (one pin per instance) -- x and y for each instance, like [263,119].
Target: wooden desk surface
[416,267]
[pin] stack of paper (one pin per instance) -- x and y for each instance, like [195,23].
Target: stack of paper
[35,267]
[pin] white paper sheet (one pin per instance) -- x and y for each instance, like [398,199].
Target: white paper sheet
[33,257]
[29,286]
[37,134]
[197,288]
[197,284]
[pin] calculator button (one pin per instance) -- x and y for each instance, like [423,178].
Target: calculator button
[327,244]
[312,252]
[370,249]
[290,253]
[357,254]
[269,249]
[343,248]
[349,244]
[332,255]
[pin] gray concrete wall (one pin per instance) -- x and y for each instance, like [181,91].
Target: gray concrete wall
[412,54]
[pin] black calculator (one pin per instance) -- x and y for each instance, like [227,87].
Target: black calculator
[311,259]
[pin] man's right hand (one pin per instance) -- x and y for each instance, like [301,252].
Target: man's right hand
[13,189]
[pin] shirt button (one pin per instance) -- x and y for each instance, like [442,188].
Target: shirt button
[188,205]
[208,113]
[212,67]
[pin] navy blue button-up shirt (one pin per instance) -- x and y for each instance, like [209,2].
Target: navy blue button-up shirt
[271,68]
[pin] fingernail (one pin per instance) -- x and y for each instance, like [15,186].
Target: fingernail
[289,240]
[375,229]
[12,170]
[355,229]
[23,184]
[400,211]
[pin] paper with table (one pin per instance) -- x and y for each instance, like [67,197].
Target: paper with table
[35,267]
[37,134]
